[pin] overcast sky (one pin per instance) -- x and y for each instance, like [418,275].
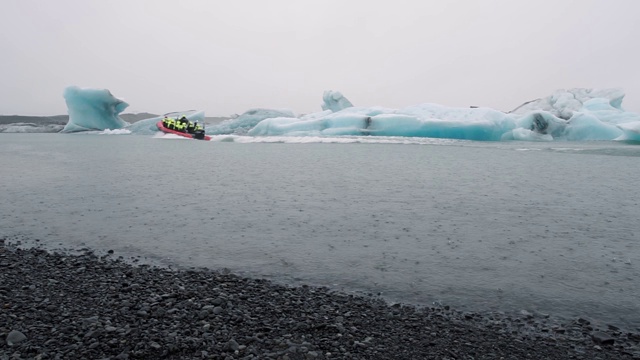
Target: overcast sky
[227,57]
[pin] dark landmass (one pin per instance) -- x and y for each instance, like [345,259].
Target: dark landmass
[39,120]
[63,119]
[131,118]
[90,306]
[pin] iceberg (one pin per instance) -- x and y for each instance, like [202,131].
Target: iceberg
[575,114]
[93,109]
[335,101]
[241,124]
[428,120]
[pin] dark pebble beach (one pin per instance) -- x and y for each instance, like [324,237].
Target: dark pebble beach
[62,306]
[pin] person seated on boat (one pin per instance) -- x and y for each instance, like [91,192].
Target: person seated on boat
[198,127]
[178,126]
[165,121]
[171,123]
[190,127]
[183,119]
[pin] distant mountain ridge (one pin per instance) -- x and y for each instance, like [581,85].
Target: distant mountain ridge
[63,119]
[131,118]
[40,120]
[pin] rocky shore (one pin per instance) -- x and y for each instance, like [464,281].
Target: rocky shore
[61,306]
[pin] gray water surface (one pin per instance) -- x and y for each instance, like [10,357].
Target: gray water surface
[549,227]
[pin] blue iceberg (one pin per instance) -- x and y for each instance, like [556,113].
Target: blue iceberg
[93,109]
[576,114]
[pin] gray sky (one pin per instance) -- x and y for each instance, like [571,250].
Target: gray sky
[226,57]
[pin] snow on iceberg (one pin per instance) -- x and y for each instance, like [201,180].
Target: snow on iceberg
[563,103]
[93,109]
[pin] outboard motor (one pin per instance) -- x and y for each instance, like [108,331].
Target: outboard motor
[199,134]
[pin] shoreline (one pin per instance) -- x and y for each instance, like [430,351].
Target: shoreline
[66,306]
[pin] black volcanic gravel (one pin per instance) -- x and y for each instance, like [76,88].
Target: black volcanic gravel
[60,306]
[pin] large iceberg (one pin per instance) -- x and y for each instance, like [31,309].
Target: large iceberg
[428,120]
[93,109]
[576,114]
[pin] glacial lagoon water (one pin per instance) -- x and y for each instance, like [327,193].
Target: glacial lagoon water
[546,227]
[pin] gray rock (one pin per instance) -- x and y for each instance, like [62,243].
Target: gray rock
[602,338]
[233,345]
[15,337]
[218,301]
[89,320]
[203,314]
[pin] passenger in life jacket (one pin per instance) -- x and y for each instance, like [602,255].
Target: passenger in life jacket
[171,123]
[190,127]
[198,132]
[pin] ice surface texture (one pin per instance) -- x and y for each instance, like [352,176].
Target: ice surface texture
[93,109]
